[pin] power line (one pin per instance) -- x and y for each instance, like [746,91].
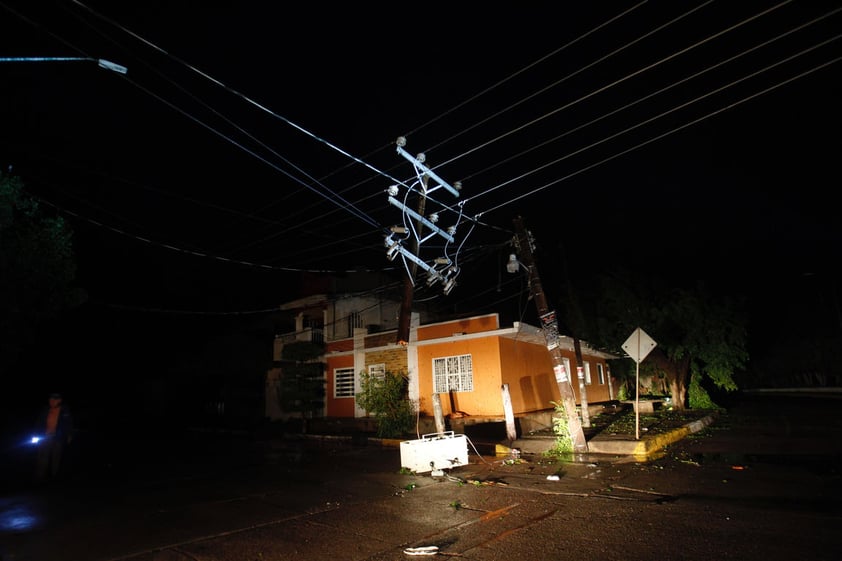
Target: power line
[668,133]
[564,79]
[625,78]
[519,72]
[195,253]
[533,147]
[658,92]
[239,94]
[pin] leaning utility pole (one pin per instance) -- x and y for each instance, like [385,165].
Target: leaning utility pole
[409,273]
[549,324]
[580,374]
[575,325]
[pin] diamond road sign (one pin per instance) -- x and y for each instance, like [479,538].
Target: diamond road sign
[638,345]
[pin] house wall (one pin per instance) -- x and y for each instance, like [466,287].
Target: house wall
[486,397]
[478,324]
[528,370]
[344,406]
[370,312]
[338,356]
[596,392]
[380,339]
[394,360]
[343,345]
[497,359]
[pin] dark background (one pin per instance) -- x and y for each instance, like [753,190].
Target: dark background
[223,174]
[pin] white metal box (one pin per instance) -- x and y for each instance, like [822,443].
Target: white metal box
[436,451]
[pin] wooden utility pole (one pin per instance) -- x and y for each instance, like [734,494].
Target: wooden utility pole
[409,277]
[549,325]
[574,322]
[583,390]
[410,256]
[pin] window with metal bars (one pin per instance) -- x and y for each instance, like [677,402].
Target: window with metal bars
[343,382]
[453,373]
[355,320]
[377,371]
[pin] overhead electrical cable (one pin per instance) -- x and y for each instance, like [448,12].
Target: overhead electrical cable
[592,93]
[662,114]
[348,206]
[345,206]
[219,114]
[567,77]
[614,83]
[251,216]
[655,93]
[562,80]
[196,253]
[672,131]
[647,121]
[463,103]
[521,71]
[240,94]
[235,92]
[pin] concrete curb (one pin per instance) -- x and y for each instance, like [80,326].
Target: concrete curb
[644,449]
[648,447]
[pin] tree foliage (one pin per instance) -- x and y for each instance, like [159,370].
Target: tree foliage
[563,445]
[701,335]
[302,387]
[37,268]
[387,399]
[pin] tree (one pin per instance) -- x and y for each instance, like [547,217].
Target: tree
[302,387]
[387,398]
[701,335]
[37,269]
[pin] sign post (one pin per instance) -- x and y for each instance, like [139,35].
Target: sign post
[638,346]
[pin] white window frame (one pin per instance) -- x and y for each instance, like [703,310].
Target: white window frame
[570,375]
[343,380]
[600,373]
[453,373]
[587,373]
[377,371]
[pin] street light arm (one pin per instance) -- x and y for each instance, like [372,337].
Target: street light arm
[101,62]
[112,66]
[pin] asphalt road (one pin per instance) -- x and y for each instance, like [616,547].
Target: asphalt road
[763,482]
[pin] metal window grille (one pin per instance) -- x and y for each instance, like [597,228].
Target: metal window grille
[343,382]
[377,371]
[355,320]
[453,373]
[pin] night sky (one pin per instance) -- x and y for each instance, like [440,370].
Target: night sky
[250,142]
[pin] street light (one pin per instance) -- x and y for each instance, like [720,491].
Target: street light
[513,265]
[101,62]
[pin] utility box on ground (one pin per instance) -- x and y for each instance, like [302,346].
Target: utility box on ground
[436,451]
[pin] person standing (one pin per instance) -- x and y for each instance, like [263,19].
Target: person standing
[55,426]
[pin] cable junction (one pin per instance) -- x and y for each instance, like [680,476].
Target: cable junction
[441,269]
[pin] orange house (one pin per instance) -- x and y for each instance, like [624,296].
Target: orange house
[467,362]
